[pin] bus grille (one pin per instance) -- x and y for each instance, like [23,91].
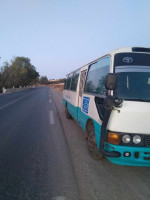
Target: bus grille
[147,140]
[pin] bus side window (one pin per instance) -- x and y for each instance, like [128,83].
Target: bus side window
[74,82]
[98,71]
[100,108]
[67,84]
[82,81]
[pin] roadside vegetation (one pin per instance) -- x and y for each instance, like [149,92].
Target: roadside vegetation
[18,73]
[21,73]
[43,80]
[61,80]
[58,86]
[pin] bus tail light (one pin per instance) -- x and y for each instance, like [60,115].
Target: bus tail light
[113,138]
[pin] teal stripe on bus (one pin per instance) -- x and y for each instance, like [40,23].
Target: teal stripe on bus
[82,119]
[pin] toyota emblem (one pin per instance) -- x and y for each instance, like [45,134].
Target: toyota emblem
[127,59]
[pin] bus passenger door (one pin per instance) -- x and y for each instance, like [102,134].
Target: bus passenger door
[81,88]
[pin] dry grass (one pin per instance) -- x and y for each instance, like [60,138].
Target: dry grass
[59,87]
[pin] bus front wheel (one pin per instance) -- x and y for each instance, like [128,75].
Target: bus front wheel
[92,147]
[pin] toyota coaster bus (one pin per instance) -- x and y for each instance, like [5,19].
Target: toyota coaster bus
[110,99]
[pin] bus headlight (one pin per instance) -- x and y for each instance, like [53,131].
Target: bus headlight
[126,138]
[137,139]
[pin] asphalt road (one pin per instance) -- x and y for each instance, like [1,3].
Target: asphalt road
[44,156]
[35,161]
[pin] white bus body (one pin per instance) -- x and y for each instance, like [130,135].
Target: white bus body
[128,128]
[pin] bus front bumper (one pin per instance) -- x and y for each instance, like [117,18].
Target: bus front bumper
[130,156]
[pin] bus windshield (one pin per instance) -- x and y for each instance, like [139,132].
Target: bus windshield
[133,78]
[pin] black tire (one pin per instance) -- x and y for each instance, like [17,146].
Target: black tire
[92,147]
[67,114]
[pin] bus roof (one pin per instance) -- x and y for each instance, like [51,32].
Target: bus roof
[119,50]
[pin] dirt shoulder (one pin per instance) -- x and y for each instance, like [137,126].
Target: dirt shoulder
[59,87]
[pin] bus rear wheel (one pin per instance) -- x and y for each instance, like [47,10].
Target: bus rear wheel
[67,114]
[92,147]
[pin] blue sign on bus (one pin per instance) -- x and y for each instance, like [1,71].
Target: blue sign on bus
[85,106]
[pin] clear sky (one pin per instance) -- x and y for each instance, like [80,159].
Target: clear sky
[62,35]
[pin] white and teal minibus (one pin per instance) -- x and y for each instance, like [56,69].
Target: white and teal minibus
[110,99]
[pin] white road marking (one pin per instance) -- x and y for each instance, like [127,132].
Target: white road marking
[51,117]
[50,101]
[8,104]
[59,198]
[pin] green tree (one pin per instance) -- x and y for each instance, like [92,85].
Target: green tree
[7,80]
[1,82]
[20,72]
[43,80]
[25,72]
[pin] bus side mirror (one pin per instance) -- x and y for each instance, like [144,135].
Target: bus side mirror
[111,81]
